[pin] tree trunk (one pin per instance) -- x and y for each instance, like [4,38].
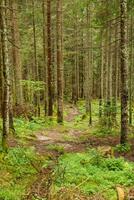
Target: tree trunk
[1,72]
[101,78]
[45,61]
[130,71]
[16,53]
[59,63]
[36,70]
[124,71]
[115,76]
[88,68]
[49,60]
[6,68]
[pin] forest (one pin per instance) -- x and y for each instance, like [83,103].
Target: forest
[66,99]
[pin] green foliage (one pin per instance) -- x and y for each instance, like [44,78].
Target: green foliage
[20,158]
[89,171]
[123,148]
[103,131]
[92,173]
[113,164]
[96,158]
[11,193]
[55,147]
[18,169]
[26,129]
[81,106]
[17,172]
[33,85]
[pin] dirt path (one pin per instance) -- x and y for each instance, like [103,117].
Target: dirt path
[53,137]
[73,112]
[53,141]
[57,138]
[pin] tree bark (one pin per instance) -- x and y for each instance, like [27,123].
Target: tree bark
[6,78]
[16,53]
[1,72]
[130,71]
[45,61]
[49,60]
[59,63]
[124,71]
[36,69]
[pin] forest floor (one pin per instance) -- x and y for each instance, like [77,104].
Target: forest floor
[74,140]
[54,161]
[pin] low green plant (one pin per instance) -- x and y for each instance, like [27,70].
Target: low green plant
[102,131]
[59,148]
[26,129]
[18,170]
[92,173]
[123,148]
[113,164]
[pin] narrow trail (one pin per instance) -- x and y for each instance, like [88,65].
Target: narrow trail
[52,141]
[54,136]
[72,114]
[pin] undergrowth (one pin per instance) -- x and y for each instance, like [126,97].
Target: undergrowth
[18,169]
[123,148]
[58,148]
[26,129]
[88,172]
[92,173]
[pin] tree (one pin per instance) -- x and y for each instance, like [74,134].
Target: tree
[131,71]
[88,67]
[49,60]
[115,75]
[6,78]
[101,76]
[124,69]
[59,63]
[1,71]
[16,57]
[35,68]
[45,60]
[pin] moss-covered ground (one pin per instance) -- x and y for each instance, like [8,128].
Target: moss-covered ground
[55,158]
